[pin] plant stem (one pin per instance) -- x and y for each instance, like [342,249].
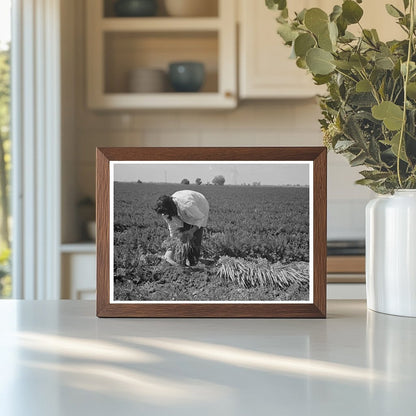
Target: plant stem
[397,95]
[373,88]
[405,81]
[346,75]
[391,98]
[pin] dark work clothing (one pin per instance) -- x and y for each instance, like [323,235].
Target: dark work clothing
[195,252]
[196,241]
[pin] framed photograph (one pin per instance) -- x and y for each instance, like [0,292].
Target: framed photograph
[211,232]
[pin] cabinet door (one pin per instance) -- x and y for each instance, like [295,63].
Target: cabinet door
[78,276]
[265,68]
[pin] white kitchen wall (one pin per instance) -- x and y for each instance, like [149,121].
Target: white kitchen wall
[253,123]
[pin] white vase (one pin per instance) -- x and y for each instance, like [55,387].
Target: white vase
[391,253]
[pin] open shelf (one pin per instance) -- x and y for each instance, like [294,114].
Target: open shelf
[80,247]
[126,51]
[167,100]
[119,45]
[160,24]
[210,10]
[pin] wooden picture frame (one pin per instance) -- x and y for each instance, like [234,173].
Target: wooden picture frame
[314,157]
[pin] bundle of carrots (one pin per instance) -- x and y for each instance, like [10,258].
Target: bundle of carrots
[259,272]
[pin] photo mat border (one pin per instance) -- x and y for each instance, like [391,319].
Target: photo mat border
[220,162]
[314,308]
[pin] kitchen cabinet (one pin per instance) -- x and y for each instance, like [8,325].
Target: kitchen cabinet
[78,263]
[265,70]
[118,45]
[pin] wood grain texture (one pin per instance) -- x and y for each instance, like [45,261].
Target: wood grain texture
[317,309]
[346,264]
[346,269]
[319,230]
[345,278]
[103,231]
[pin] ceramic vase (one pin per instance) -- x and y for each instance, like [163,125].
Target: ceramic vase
[186,76]
[391,253]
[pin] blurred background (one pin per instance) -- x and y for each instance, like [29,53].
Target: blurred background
[145,73]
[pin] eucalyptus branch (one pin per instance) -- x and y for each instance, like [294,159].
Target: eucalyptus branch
[342,49]
[370,63]
[373,88]
[404,28]
[346,75]
[369,40]
[398,95]
[392,91]
[406,80]
[358,45]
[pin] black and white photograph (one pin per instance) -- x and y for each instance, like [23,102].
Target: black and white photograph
[211,231]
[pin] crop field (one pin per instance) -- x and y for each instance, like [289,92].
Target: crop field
[254,234]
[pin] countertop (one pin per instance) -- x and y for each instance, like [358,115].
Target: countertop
[57,358]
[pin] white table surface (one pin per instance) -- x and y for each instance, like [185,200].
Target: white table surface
[57,358]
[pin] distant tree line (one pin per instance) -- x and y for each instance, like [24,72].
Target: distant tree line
[218,180]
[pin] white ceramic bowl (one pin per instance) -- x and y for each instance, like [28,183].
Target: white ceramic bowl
[191,8]
[147,80]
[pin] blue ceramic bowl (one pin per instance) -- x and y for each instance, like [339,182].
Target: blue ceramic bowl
[186,76]
[135,8]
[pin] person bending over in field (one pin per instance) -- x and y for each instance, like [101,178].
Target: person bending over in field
[186,214]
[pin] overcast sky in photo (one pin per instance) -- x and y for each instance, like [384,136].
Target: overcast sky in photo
[234,174]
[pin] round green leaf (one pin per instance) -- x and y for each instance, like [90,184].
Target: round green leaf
[363,86]
[319,61]
[393,11]
[322,79]
[276,4]
[287,33]
[358,61]
[316,20]
[303,43]
[412,67]
[411,90]
[391,114]
[301,63]
[301,15]
[324,41]
[342,25]
[333,32]
[395,144]
[328,38]
[375,35]
[384,62]
[344,65]
[336,12]
[351,11]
